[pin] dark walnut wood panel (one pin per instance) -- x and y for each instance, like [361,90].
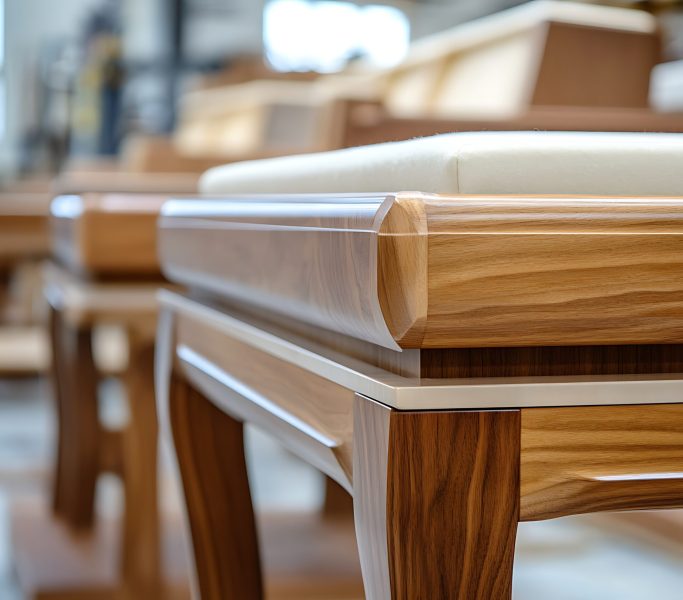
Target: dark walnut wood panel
[427,271]
[422,533]
[598,458]
[551,361]
[107,234]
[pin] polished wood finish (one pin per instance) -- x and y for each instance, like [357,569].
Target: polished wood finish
[310,412]
[553,361]
[544,289]
[210,453]
[202,357]
[275,250]
[107,234]
[589,459]
[410,469]
[421,535]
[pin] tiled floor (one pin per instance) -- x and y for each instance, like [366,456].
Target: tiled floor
[566,559]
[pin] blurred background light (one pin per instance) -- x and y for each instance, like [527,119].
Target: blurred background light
[299,35]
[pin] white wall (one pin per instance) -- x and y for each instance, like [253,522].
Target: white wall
[29,25]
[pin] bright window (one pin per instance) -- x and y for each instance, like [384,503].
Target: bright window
[301,35]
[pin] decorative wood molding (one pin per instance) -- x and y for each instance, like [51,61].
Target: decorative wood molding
[313,361]
[413,270]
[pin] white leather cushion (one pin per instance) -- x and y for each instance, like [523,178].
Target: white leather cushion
[473,163]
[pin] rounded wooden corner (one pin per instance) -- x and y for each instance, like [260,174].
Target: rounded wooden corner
[402,268]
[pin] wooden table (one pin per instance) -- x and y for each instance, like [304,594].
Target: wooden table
[458,364]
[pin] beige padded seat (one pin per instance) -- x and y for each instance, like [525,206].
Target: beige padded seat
[473,163]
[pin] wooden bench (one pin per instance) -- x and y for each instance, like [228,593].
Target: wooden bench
[459,360]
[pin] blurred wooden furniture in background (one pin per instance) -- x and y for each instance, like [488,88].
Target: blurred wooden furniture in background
[554,65]
[24,243]
[105,271]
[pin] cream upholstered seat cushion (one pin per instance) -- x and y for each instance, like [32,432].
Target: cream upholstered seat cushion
[473,163]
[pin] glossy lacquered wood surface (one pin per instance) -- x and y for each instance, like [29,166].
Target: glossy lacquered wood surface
[414,270]
[415,477]
[588,459]
[107,234]
[224,333]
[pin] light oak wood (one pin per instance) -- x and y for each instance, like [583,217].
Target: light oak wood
[107,234]
[432,271]
[588,459]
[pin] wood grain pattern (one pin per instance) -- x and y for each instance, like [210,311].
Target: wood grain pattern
[496,271]
[588,459]
[286,350]
[423,535]
[107,234]
[310,258]
[310,412]
[553,361]
[210,452]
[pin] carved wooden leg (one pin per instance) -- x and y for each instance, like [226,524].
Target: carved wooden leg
[141,537]
[445,522]
[78,445]
[210,452]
